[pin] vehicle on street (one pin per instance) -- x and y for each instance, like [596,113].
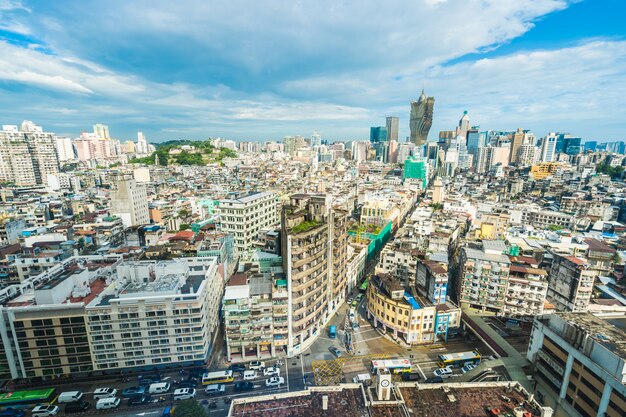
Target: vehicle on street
[168,411]
[354,303]
[359,298]
[408,376]
[219,377]
[70,397]
[159,388]
[148,379]
[107,403]
[335,351]
[272,370]
[434,380]
[274,381]
[215,389]
[77,407]
[396,366]
[352,315]
[365,379]
[237,367]
[45,411]
[355,326]
[144,399]
[350,300]
[184,394]
[459,359]
[36,396]
[256,365]
[99,393]
[443,372]
[244,386]
[133,392]
[332,332]
[249,375]
[190,383]
[468,368]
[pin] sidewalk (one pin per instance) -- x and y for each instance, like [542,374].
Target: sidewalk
[513,361]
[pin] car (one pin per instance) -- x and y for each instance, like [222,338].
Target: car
[190,383]
[70,397]
[272,370]
[107,403]
[355,325]
[12,412]
[184,394]
[244,386]
[149,379]
[352,316]
[256,365]
[159,388]
[168,411]
[354,303]
[237,367]
[468,367]
[215,389]
[350,300]
[45,410]
[359,298]
[443,372]
[411,376]
[335,351]
[274,381]
[144,399]
[99,393]
[133,392]
[77,407]
[249,375]
[434,380]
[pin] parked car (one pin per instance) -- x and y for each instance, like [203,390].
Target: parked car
[256,365]
[99,393]
[133,392]
[237,367]
[434,380]
[184,394]
[159,388]
[77,407]
[350,300]
[107,403]
[354,303]
[69,397]
[443,372]
[335,351]
[215,389]
[272,370]
[359,298]
[244,386]
[45,410]
[144,399]
[468,367]
[249,375]
[411,376]
[274,381]
[149,379]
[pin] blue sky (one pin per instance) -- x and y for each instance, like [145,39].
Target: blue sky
[263,70]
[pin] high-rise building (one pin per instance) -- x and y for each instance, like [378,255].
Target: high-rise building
[590,145]
[421,119]
[316,139]
[392,151]
[64,148]
[393,124]
[548,148]
[570,283]
[244,216]
[516,141]
[566,143]
[404,151]
[129,201]
[579,363]
[101,131]
[292,144]
[27,154]
[142,144]
[464,125]
[378,134]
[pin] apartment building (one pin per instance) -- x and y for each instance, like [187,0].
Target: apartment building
[399,262]
[400,312]
[579,363]
[570,283]
[129,201]
[484,277]
[245,216]
[432,281]
[339,259]
[527,289]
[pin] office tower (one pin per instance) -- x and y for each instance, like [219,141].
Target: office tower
[548,148]
[292,144]
[392,151]
[142,144]
[378,134]
[590,145]
[360,150]
[567,144]
[475,140]
[316,139]
[464,125]
[101,131]
[518,138]
[243,217]
[578,364]
[421,119]
[27,154]
[64,148]
[393,123]
[312,241]
[129,201]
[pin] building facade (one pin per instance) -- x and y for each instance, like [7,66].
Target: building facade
[421,119]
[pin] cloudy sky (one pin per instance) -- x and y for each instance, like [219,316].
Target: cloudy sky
[265,69]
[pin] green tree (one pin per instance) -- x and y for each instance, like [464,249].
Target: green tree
[189,408]
[184,226]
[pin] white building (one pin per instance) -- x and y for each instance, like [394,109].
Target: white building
[548,148]
[129,201]
[65,149]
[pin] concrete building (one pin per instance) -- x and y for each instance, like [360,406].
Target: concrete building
[527,289]
[432,281]
[129,201]
[65,149]
[421,119]
[246,215]
[101,131]
[392,124]
[570,283]
[579,363]
[548,148]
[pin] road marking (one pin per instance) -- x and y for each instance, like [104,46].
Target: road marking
[145,413]
[421,372]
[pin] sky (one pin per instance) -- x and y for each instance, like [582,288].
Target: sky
[261,70]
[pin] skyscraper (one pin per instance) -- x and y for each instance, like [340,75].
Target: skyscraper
[566,143]
[142,144]
[548,148]
[421,118]
[516,141]
[316,139]
[464,125]
[393,123]
[378,134]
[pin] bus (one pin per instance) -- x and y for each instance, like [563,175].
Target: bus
[36,396]
[395,366]
[456,360]
[220,377]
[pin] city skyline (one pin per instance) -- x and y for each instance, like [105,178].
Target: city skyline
[279,71]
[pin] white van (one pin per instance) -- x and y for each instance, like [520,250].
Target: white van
[215,389]
[159,388]
[362,379]
[249,375]
[70,397]
[107,403]
[184,394]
